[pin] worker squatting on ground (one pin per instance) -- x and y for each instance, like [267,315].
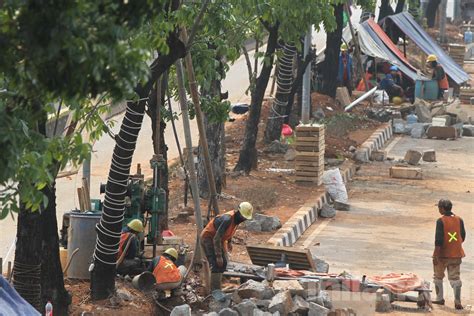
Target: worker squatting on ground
[216,240]
[438,74]
[167,274]
[448,253]
[129,249]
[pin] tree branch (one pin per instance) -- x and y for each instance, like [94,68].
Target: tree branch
[249,64]
[196,24]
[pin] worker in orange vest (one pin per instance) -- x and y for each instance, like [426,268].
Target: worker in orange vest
[216,239]
[438,74]
[167,275]
[448,253]
[129,249]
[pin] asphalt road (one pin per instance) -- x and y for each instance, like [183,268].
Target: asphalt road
[236,83]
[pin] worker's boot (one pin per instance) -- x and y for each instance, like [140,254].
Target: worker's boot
[457,293]
[439,292]
[216,281]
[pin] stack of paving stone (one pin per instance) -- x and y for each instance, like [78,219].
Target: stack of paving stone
[309,159]
[457,52]
[465,94]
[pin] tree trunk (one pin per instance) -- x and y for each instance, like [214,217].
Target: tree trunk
[400,6]
[109,227]
[248,153]
[284,85]
[330,67]
[385,9]
[431,10]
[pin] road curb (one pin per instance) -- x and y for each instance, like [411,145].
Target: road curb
[375,142]
[306,215]
[300,221]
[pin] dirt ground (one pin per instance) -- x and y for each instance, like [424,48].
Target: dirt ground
[390,227]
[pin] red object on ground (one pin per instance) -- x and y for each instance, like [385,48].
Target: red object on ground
[398,282]
[286,130]
[284,272]
[168,233]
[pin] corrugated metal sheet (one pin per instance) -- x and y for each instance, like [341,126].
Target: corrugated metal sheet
[427,44]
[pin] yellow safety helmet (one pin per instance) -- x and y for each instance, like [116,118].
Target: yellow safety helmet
[343,47]
[172,252]
[431,58]
[246,209]
[397,100]
[136,225]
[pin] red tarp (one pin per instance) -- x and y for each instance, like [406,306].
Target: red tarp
[398,282]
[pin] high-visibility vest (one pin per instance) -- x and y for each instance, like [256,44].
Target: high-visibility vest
[166,271]
[452,242]
[443,82]
[123,242]
[210,230]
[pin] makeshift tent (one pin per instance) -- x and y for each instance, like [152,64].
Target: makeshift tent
[11,303]
[367,44]
[407,24]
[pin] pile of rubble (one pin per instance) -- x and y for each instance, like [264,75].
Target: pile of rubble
[280,297]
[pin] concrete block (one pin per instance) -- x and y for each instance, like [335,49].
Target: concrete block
[262,304]
[181,310]
[293,286]
[429,155]
[412,157]
[468,130]
[257,312]
[246,307]
[312,287]
[282,303]
[342,96]
[423,112]
[228,312]
[401,172]
[378,155]
[341,206]
[399,126]
[300,306]
[382,302]
[418,130]
[254,289]
[362,154]
[442,132]
[317,310]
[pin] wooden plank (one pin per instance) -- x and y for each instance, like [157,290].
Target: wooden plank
[309,139]
[308,153]
[80,197]
[310,149]
[314,158]
[307,179]
[314,170]
[300,142]
[309,164]
[262,255]
[300,173]
[310,128]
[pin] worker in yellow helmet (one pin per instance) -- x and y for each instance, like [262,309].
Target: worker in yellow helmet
[128,257]
[168,274]
[216,239]
[438,74]
[344,74]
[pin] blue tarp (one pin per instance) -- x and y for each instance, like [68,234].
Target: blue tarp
[409,72]
[11,303]
[407,24]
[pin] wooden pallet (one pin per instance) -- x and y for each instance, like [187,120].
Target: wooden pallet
[298,259]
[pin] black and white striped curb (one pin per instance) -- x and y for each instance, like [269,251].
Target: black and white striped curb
[374,142]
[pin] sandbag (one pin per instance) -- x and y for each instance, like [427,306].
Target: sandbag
[335,186]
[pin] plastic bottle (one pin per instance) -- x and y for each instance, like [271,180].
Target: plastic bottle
[48,309]
[468,36]
[412,118]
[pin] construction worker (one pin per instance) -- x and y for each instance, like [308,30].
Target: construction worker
[396,75]
[438,74]
[344,74]
[167,275]
[216,239]
[448,253]
[128,257]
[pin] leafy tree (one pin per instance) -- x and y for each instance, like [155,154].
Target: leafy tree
[66,54]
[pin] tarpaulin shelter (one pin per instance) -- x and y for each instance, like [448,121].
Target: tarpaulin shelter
[407,24]
[11,303]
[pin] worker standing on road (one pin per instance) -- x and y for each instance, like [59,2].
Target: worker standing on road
[129,249]
[438,74]
[167,275]
[216,239]
[448,253]
[344,75]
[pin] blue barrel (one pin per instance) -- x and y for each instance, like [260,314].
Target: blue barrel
[81,234]
[427,90]
[468,36]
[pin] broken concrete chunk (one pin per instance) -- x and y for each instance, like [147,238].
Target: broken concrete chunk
[228,312]
[429,155]
[401,172]
[293,286]
[252,226]
[262,304]
[317,310]
[268,223]
[327,211]
[378,155]
[290,154]
[276,147]
[216,306]
[468,130]
[311,286]
[341,206]
[257,312]
[418,130]
[254,289]
[245,308]
[382,302]
[181,310]
[235,298]
[282,303]
[412,157]
[442,132]
[300,306]
[211,314]
[423,112]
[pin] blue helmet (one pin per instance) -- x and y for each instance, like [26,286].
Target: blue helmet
[394,68]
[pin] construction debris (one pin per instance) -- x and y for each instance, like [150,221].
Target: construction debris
[341,206]
[378,155]
[429,155]
[402,172]
[412,157]
[382,302]
[181,310]
[468,130]
[423,111]
[262,223]
[327,211]
[442,132]
[276,147]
